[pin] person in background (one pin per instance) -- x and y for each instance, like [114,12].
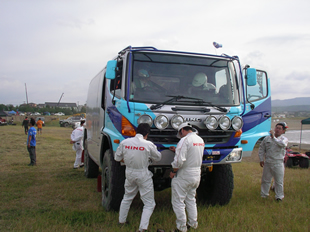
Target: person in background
[77,136]
[39,125]
[138,177]
[185,174]
[271,154]
[25,124]
[31,143]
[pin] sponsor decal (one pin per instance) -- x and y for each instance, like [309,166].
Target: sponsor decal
[135,148]
[216,152]
[198,144]
[192,119]
[209,151]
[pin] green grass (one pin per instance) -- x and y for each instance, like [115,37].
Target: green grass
[53,196]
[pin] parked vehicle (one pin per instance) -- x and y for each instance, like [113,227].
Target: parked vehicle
[3,122]
[295,158]
[230,117]
[69,122]
[59,114]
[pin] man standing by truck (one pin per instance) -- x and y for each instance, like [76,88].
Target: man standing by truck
[137,153]
[271,154]
[77,141]
[185,174]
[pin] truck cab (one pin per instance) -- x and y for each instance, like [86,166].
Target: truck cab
[229,106]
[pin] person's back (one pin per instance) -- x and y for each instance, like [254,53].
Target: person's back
[194,150]
[137,152]
[39,124]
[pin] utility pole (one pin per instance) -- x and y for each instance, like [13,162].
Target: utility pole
[26,93]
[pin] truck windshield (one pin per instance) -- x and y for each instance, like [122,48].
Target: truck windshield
[156,76]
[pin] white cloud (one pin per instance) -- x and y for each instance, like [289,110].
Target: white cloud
[58,46]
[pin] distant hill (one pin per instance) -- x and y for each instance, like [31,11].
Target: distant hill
[298,101]
[299,104]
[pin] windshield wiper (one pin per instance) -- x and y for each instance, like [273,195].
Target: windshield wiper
[174,98]
[178,97]
[216,107]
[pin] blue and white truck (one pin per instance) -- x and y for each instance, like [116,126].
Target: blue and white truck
[231,111]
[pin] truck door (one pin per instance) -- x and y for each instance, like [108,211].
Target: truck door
[257,116]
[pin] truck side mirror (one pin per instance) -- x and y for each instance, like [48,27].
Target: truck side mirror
[251,77]
[111,68]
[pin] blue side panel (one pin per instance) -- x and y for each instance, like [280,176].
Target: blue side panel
[115,117]
[257,116]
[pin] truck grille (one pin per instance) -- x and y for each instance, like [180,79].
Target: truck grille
[168,136]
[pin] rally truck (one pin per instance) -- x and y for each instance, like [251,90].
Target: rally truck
[231,112]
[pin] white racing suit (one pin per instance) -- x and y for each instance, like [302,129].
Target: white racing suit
[136,153]
[77,136]
[188,159]
[272,152]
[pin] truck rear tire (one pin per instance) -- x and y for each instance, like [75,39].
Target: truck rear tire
[112,182]
[304,162]
[289,162]
[216,187]
[91,169]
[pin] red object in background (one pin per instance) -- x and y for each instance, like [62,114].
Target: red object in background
[295,158]
[82,159]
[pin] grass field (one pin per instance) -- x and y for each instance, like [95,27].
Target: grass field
[53,196]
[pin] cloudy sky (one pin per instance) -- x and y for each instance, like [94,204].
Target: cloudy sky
[57,46]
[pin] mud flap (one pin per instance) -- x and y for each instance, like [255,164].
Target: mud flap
[99,183]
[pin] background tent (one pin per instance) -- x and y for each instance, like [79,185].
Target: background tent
[304,121]
[12,112]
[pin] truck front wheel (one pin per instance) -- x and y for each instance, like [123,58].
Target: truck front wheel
[216,187]
[112,182]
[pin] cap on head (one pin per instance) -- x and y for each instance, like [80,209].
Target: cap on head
[143,73]
[282,124]
[199,79]
[185,124]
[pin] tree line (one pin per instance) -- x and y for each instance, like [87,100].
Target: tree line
[30,109]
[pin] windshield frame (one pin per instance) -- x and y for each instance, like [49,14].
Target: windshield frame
[198,62]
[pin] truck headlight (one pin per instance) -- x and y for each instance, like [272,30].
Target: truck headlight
[161,122]
[235,155]
[211,122]
[145,118]
[176,121]
[224,123]
[237,123]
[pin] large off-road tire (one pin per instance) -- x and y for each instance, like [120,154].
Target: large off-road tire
[91,169]
[304,162]
[289,162]
[216,187]
[112,182]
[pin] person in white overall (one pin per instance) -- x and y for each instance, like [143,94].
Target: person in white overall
[185,174]
[271,154]
[137,153]
[77,141]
